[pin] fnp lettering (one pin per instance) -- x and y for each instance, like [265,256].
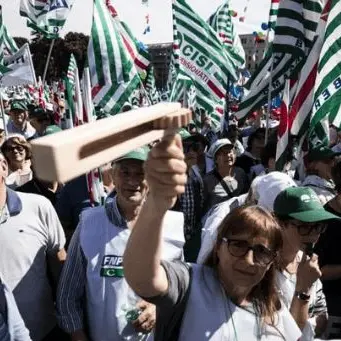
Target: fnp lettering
[112,266]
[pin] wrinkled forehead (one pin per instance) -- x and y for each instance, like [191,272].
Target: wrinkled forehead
[252,239]
[130,165]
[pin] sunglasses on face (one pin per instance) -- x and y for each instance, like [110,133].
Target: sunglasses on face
[11,149]
[239,248]
[305,229]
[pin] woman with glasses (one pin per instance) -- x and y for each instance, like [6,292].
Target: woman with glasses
[231,297]
[302,219]
[17,152]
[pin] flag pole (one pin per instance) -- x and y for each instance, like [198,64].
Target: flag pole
[269,104]
[32,67]
[48,60]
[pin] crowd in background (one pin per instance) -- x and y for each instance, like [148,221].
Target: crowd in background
[199,238]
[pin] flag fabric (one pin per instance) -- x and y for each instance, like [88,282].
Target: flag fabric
[199,54]
[137,50]
[299,117]
[285,58]
[7,44]
[10,45]
[283,130]
[96,190]
[150,87]
[273,14]
[20,69]
[221,22]
[46,16]
[70,91]
[327,95]
[113,74]
[89,114]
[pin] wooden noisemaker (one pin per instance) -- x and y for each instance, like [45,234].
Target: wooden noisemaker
[65,155]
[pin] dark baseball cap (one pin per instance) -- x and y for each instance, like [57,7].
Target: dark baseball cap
[18,105]
[320,153]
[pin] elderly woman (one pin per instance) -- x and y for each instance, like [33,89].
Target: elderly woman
[17,152]
[225,181]
[233,296]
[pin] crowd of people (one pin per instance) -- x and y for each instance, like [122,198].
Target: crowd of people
[199,238]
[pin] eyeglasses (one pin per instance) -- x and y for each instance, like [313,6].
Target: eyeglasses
[239,248]
[13,148]
[305,229]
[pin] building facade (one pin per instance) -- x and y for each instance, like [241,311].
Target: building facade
[161,57]
[254,51]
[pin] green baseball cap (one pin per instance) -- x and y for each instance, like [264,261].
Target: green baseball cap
[320,152]
[140,154]
[184,134]
[301,203]
[52,129]
[18,105]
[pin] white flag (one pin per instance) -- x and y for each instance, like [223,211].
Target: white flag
[21,66]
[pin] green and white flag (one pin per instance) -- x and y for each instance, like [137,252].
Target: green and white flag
[46,16]
[70,88]
[294,36]
[273,14]
[327,95]
[199,54]
[10,44]
[221,22]
[20,70]
[136,50]
[7,44]
[150,87]
[113,74]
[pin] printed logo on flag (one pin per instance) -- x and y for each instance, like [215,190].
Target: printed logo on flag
[112,266]
[56,4]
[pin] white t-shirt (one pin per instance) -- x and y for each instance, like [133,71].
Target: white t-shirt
[29,230]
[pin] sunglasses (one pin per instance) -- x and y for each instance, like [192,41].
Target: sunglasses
[13,148]
[239,248]
[305,229]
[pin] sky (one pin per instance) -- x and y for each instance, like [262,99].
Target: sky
[134,13]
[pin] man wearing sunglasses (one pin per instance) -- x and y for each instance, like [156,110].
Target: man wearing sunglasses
[302,219]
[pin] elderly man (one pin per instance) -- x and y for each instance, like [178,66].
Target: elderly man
[19,123]
[32,245]
[94,300]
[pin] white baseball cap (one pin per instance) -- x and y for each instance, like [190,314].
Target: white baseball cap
[269,186]
[218,145]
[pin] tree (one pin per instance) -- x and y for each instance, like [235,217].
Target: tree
[76,43]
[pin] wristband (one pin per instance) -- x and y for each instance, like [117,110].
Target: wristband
[302,296]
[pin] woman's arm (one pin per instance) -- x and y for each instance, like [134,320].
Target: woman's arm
[166,176]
